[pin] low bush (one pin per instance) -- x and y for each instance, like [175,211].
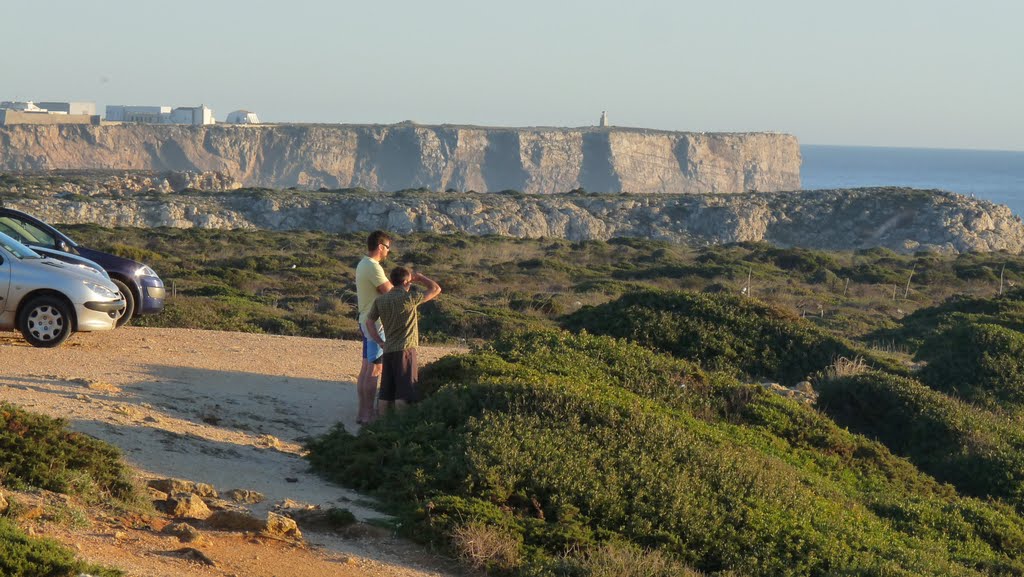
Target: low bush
[1006,310]
[24,556]
[979,452]
[37,451]
[569,461]
[981,363]
[720,332]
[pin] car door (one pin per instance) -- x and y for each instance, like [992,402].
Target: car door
[5,279]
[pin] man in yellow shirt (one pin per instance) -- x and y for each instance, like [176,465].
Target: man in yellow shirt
[370,282]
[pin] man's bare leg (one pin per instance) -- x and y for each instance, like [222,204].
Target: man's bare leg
[366,387]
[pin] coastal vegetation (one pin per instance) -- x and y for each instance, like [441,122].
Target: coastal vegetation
[40,454]
[614,411]
[301,282]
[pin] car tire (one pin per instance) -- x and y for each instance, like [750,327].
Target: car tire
[129,303]
[45,321]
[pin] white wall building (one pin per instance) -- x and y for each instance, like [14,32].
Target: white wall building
[195,115]
[243,117]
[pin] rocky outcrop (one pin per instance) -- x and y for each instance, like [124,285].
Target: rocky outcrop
[904,220]
[404,156]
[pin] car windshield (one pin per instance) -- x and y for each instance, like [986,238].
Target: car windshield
[19,250]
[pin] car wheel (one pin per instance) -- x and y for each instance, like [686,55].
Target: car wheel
[128,311]
[45,321]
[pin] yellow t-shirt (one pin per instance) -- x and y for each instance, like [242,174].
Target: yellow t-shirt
[369,276]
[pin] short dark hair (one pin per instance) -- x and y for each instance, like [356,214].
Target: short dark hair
[399,275]
[377,237]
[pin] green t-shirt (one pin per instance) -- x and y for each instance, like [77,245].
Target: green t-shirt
[369,276]
[397,311]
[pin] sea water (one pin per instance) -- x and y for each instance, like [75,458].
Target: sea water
[992,175]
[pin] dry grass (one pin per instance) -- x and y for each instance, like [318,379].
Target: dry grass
[844,367]
[625,560]
[484,547]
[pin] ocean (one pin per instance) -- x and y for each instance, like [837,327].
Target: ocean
[993,175]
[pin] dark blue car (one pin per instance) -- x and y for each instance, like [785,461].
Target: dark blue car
[142,289]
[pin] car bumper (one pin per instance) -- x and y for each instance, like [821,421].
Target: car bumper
[153,294]
[90,319]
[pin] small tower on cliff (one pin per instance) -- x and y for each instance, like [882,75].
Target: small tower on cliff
[604,119]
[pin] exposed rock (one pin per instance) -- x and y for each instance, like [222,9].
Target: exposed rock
[281,526]
[156,494]
[802,392]
[172,486]
[804,387]
[245,496]
[193,554]
[219,504]
[903,220]
[186,505]
[4,505]
[230,520]
[186,533]
[402,156]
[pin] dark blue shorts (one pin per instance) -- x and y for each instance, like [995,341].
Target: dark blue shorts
[399,376]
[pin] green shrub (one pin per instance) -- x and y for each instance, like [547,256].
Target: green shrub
[24,556]
[979,452]
[566,443]
[1006,310]
[37,451]
[718,331]
[981,363]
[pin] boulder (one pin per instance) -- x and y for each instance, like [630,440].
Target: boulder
[245,496]
[281,526]
[172,486]
[186,505]
[234,521]
[186,533]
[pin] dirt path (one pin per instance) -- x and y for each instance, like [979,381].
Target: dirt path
[228,409]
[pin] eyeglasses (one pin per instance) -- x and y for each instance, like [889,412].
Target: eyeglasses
[387,246]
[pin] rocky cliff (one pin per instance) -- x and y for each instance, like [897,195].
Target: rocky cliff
[403,156]
[904,220]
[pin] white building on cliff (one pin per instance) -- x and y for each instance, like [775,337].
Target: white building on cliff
[194,115]
[243,117]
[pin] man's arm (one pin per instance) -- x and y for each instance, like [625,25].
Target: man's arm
[383,288]
[433,289]
[371,325]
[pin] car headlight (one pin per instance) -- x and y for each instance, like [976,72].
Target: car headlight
[101,290]
[145,271]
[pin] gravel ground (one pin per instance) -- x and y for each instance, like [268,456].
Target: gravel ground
[228,409]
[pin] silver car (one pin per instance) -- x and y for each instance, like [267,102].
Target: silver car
[47,299]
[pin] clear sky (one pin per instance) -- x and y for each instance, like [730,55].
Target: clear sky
[915,73]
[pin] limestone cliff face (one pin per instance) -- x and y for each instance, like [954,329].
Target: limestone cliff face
[402,156]
[903,220]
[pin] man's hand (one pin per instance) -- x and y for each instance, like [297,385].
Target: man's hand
[371,329]
[433,289]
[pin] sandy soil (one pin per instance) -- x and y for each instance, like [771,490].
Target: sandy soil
[228,409]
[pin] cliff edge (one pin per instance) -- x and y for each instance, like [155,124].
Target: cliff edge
[403,156]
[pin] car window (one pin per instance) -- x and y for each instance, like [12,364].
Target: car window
[26,232]
[16,248]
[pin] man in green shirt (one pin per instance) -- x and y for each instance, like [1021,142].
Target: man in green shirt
[398,311]
[370,282]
